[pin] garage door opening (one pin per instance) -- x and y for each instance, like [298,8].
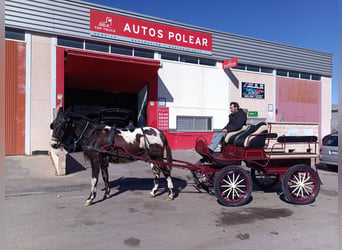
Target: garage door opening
[95,81]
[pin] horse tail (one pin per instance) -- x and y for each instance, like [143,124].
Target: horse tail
[167,147]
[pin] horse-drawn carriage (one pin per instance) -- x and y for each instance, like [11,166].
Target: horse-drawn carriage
[269,157]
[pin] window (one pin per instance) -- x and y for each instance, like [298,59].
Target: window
[15,34]
[70,42]
[240,66]
[207,62]
[189,59]
[294,74]
[252,68]
[193,123]
[331,140]
[266,70]
[315,77]
[169,56]
[121,50]
[144,53]
[305,76]
[97,46]
[281,72]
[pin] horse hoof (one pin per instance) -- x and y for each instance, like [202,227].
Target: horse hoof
[151,196]
[87,203]
[169,198]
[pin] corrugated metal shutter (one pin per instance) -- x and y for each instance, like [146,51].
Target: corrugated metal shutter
[15,98]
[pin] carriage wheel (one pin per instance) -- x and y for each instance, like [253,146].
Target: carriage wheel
[232,186]
[301,184]
[264,180]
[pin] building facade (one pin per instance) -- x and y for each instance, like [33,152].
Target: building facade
[174,76]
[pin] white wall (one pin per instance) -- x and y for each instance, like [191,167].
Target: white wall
[326,106]
[40,92]
[194,90]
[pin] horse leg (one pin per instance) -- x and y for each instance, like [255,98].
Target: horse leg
[156,172]
[94,179]
[167,174]
[104,172]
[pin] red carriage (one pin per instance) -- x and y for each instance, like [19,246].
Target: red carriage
[270,158]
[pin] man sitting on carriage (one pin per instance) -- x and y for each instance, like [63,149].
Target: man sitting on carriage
[237,119]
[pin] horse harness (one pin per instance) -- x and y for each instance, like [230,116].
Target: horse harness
[84,130]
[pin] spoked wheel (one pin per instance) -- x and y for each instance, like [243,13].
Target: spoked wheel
[264,180]
[301,184]
[233,186]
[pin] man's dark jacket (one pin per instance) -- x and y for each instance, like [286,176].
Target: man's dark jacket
[236,120]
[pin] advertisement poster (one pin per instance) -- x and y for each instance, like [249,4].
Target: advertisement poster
[253,90]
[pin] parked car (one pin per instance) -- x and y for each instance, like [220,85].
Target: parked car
[329,150]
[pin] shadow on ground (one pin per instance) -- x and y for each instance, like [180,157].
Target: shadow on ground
[124,184]
[329,168]
[73,165]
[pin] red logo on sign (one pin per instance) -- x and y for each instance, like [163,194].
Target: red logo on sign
[230,63]
[140,31]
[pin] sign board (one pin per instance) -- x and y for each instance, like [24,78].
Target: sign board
[111,26]
[252,113]
[163,118]
[230,63]
[253,90]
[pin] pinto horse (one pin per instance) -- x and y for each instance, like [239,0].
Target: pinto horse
[102,144]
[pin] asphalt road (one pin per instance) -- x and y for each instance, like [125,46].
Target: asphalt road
[45,211]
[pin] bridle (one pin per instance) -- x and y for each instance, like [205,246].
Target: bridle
[62,127]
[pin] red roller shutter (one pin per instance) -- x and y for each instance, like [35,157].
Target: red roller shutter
[15,88]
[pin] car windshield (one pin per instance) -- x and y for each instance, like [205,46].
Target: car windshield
[331,141]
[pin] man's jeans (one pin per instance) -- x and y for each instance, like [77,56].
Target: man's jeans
[217,138]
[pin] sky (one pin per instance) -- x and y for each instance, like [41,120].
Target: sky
[310,24]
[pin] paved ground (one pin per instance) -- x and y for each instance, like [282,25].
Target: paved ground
[45,211]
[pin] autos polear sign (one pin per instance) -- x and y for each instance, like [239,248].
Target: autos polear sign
[123,28]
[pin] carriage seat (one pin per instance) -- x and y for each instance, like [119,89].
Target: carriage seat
[254,137]
[230,137]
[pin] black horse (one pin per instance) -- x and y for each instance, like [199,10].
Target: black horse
[102,144]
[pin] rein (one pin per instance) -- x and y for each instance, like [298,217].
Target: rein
[82,134]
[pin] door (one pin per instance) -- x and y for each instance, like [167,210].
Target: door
[142,106]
